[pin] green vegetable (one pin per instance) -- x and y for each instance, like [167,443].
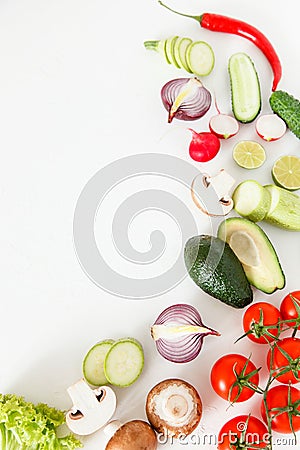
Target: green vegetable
[284,210]
[93,362]
[251,200]
[288,108]
[245,88]
[180,49]
[270,203]
[256,253]
[169,50]
[215,268]
[195,57]
[124,362]
[25,426]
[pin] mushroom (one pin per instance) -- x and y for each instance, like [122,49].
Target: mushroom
[211,194]
[174,408]
[133,435]
[92,408]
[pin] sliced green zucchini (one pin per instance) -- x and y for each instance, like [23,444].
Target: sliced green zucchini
[180,48]
[251,200]
[169,50]
[92,365]
[245,88]
[124,362]
[200,58]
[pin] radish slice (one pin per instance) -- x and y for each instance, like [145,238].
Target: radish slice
[224,126]
[270,127]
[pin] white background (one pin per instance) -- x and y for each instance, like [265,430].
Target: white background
[78,91]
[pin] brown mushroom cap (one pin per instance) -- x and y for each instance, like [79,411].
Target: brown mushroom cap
[160,424]
[134,435]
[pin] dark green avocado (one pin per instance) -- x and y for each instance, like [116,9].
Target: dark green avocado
[215,268]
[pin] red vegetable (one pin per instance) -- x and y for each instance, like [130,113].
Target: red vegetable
[204,146]
[231,375]
[289,308]
[224,24]
[179,332]
[256,320]
[185,99]
[243,432]
[286,403]
[286,360]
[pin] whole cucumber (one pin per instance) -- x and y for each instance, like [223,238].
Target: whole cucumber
[288,108]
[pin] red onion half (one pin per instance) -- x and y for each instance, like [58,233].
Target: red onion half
[178,333]
[185,99]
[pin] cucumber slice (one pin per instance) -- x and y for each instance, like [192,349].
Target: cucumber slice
[124,362]
[200,58]
[169,50]
[251,200]
[180,48]
[92,365]
[245,88]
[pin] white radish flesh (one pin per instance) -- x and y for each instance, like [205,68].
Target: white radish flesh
[270,127]
[224,126]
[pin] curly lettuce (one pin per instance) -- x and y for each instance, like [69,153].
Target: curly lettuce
[25,426]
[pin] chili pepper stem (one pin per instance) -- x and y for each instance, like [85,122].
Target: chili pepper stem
[198,18]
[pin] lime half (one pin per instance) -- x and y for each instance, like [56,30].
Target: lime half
[286,172]
[249,154]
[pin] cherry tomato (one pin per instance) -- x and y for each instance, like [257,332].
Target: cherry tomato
[251,321]
[278,397]
[291,346]
[255,434]
[287,307]
[222,377]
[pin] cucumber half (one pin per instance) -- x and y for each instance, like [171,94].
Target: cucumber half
[245,88]
[93,362]
[124,362]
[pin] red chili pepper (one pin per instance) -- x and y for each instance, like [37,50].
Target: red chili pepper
[224,24]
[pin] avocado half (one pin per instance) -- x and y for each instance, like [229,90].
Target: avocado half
[215,268]
[256,253]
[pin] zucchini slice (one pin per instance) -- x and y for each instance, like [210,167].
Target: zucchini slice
[180,48]
[200,58]
[245,88]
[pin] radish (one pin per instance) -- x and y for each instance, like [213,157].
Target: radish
[223,126]
[270,127]
[204,146]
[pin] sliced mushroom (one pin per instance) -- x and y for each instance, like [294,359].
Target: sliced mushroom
[174,408]
[211,194]
[134,435]
[92,408]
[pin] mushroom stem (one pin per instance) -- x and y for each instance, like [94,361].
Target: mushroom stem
[92,408]
[213,189]
[82,397]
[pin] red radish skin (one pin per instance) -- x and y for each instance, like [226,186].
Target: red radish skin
[270,127]
[204,146]
[224,126]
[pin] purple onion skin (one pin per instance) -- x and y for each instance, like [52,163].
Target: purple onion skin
[192,108]
[182,349]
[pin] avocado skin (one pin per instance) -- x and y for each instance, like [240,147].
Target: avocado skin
[215,268]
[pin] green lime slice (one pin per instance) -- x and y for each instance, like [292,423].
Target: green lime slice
[249,154]
[286,172]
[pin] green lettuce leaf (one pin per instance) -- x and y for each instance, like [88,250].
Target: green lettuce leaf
[25,426]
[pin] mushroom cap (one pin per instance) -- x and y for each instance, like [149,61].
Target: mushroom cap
[133,435]
[162,407]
